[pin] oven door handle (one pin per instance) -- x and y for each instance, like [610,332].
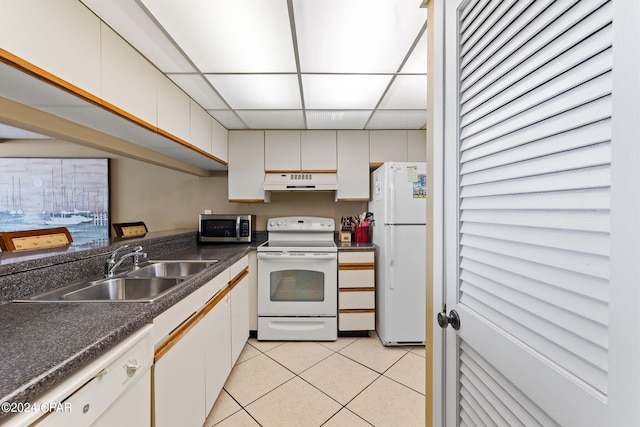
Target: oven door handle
[315,256]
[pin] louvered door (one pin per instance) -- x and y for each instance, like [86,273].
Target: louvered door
[529,231]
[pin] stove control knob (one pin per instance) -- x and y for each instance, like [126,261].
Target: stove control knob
[279,223]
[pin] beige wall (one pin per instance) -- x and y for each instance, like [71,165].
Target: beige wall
[166,199]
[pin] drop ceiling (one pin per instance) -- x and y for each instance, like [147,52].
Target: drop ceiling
[286,64]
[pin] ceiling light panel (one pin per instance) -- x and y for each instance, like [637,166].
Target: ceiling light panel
[273,119]
[417,62]
[229,36]
[398,119]
[337,119]
[343,92]
[258,91]
[197,88]
[355,36]
[132,23]
[227,118]
[407,92]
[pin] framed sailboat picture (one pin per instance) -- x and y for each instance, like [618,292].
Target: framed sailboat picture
[40,193]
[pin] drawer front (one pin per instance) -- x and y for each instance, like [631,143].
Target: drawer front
[353,300]
[356,278]
[174,316]
[356,256]
[365,321]
[240,265]
[215,285]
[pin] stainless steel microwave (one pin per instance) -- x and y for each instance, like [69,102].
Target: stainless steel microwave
[215,228]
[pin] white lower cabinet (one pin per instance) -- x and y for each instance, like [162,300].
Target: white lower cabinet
[239,307]
[179,384]
[217,349]
[196,348]
[112,390]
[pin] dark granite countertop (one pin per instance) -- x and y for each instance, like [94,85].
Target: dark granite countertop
[353,246]
[41,344]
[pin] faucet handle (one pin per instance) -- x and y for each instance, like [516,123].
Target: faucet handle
[115,252]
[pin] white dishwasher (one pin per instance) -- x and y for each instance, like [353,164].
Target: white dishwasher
[113,390]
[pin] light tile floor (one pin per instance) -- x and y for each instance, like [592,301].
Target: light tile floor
[351,382]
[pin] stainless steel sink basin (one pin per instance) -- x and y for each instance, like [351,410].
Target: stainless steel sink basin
[144,284]
[171,269]
[124,288]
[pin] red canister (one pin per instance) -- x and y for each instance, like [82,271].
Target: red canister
[361,233]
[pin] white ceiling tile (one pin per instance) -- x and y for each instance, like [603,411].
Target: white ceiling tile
[355,36]
[273,119]
[222,36]
[199,89]
[134,25]
[343,92]
[258,91]
[407,92]
[227,118]
[337,119]
[398,119]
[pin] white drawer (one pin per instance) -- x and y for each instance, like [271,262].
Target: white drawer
[239,265]
[356,299]
[174,316]
[357,321]
[356,256]
[215,285]
[356,278]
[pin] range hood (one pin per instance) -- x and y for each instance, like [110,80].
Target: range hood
[300,181]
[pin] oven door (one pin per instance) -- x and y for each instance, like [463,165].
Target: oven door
[297,283]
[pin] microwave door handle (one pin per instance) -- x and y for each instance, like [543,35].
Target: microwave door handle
[238,228]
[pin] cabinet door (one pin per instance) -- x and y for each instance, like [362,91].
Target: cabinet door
[282,150]
[246,166]
[318,150]
[353,165]
[200,128]
[217,347]
[179,381]
[239,284]
[387,146]
[129,81]
[219,141]
[173,109]
[131,408]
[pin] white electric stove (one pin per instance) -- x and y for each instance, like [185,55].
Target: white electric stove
[298,280]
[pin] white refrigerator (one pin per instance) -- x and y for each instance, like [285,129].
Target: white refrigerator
[399,205]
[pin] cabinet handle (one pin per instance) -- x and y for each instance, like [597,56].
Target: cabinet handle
[132,366]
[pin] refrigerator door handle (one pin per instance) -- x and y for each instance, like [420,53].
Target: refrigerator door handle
[392,255]
[391,202]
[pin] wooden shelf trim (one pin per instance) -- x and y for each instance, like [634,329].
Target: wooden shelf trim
[356,266]
[356,310]
[238,277]
[37,72]
[357,289]
[302,171]
[246,200]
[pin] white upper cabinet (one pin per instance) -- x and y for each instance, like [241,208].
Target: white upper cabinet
[173,109]
[60,37]
[318,150]
[387,146]
[353,165]
[282,150]
[294,150]
[246,166]
[129,81]
[200,128]
[219,141]
[417,146]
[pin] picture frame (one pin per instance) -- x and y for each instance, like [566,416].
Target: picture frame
[38,193]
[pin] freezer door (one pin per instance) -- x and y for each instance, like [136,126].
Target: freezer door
[401,285]
[399,193]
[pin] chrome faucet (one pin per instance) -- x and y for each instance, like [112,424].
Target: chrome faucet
[111,264]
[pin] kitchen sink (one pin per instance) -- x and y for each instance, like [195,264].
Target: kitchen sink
[143,284]
[123,288]
[171,268]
